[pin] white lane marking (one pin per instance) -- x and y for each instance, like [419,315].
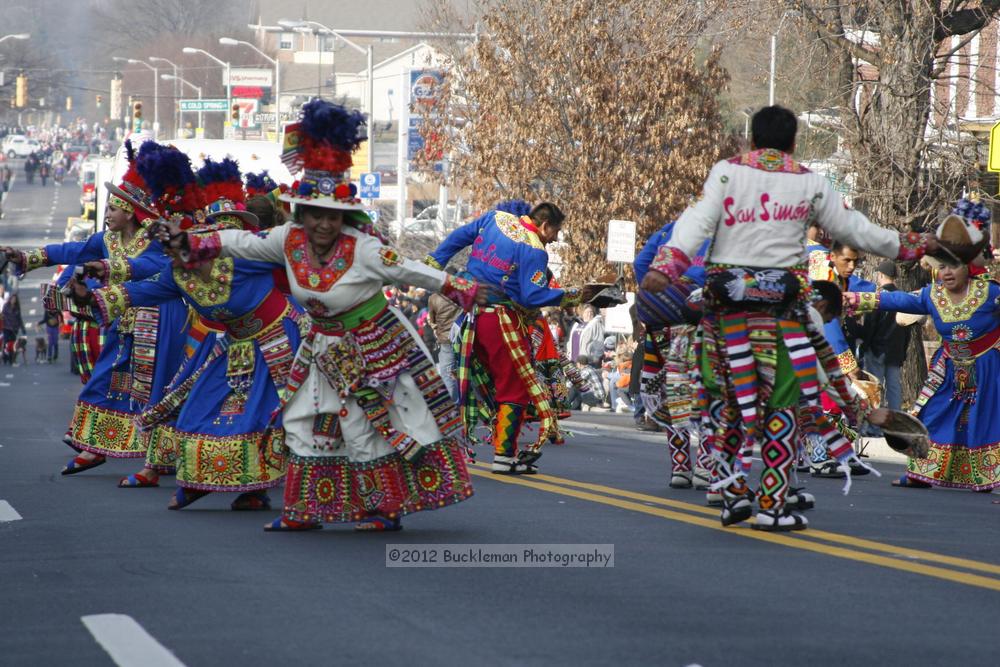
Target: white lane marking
[34,299]
[127,642]
[9,375]
[32,311]
[4,384]
[8,513]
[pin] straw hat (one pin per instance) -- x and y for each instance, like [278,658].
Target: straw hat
[908,319]
[133,190]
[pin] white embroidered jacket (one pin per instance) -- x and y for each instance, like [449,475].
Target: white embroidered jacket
[759,206]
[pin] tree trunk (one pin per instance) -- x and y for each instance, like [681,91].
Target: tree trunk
[914,373]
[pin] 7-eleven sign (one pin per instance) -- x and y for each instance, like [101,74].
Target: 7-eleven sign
[248,107]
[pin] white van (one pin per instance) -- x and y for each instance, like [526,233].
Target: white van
[18,145]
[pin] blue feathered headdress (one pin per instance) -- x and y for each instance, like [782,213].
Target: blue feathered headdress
[260,184]
[321,144]
[973,211]
[221,180]
[171,180]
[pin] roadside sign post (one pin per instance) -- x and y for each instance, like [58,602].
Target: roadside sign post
[204,106]
[371,185]
[621,251]
[621,243]
[993,163]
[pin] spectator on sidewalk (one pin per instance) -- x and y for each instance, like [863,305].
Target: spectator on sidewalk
[594,396]
[592,334]
[52,321]
[884,342]
[12,326]
[619,374]
[441,315]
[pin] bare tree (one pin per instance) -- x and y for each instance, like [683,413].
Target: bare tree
[909,160]
[123,23]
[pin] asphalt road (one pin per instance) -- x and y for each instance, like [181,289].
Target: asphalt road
[883,576]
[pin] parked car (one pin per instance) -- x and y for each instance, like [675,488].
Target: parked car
[18,145]
[76,151]
[389,174]
[428,223]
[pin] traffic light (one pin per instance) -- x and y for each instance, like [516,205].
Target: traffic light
[21,91]
[235,115]
[137,110]
[100,99]
[69,103]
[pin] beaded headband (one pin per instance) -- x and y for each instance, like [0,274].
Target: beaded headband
[120,203]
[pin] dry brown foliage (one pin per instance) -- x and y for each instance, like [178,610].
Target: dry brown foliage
[610,109]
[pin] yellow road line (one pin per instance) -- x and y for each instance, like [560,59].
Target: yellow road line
[782,539]
[903,552]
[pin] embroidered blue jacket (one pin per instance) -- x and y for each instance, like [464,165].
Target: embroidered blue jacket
[646,256]
[506,251]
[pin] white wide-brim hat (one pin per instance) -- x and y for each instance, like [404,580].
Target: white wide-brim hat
[322,202]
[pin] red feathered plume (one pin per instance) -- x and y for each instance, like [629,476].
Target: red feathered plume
[132,176]
[233,191]
[322,156]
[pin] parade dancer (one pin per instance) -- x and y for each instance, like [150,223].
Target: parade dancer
[216,416]
[496,374]
[372,432]
[138,357]
[86,337]
[960,399]
[760,350]
[837,266]
[554,372]
[668,355]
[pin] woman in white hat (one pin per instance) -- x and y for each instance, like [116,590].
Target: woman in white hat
[372,432]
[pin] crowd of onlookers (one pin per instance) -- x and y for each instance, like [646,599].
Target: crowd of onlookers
[61,149]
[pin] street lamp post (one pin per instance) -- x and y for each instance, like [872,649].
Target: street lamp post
[774,50]
[370,102]
[156,89]
[177,102]
[229,41]
[171,77]
[229,80]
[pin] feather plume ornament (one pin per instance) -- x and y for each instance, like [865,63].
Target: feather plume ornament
[260,183]
[324,137]
[221,180]
[172,182]
[320,145]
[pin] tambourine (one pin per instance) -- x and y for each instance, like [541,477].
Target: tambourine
[607,295]
[905,434]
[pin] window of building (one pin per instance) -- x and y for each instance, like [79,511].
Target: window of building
[327,42]
[286,41]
